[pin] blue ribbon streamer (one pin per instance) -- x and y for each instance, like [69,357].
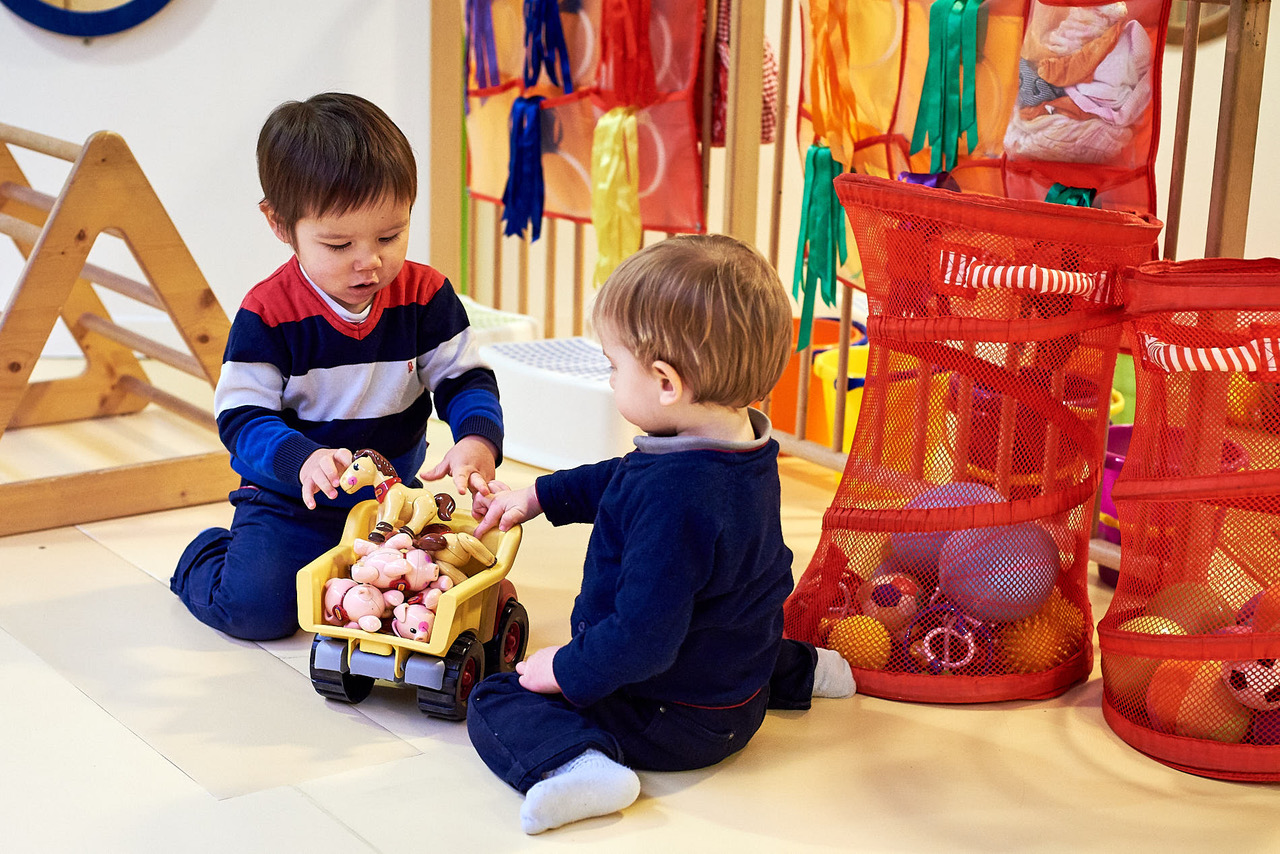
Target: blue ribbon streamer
[481,47]
[522,198]
[544,44]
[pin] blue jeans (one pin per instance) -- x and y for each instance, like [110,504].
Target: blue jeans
[521,735]
[242,581]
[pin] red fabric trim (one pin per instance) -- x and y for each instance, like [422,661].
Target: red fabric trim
[1225,647]
[1202,284]
[1017,218]
[1206,758]
[732,706]
[927,688]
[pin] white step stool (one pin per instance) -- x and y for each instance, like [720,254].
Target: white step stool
[492,325]
[557,405]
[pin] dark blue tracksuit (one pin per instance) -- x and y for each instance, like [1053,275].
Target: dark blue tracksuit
[676,646]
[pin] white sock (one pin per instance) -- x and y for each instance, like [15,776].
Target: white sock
[588,785]
[832,676]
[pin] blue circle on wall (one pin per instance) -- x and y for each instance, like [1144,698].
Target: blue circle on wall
[102,22]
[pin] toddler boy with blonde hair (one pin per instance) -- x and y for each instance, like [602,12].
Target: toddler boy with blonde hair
[676,647]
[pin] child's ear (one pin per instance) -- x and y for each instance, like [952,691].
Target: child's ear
[672,386]
[276,227]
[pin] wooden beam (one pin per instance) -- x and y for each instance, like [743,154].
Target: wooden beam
[73,499]
[447,155]
[742,120]
[1237,128]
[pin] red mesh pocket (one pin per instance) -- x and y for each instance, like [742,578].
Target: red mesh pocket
[951,566]
[1191,640]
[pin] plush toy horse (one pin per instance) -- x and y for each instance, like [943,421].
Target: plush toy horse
[451,552]
[395,500]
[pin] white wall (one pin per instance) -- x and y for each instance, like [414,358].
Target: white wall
[188,91]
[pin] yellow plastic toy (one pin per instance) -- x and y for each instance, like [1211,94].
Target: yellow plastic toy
[395,500]
[480,627]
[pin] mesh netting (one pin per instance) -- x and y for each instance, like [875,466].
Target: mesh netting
[1191,640]
[951,566]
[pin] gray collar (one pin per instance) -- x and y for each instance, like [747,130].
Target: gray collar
[671,444]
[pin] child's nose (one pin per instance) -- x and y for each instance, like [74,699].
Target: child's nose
[369,261]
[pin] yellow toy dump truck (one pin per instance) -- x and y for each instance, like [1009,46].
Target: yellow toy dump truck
[480,627]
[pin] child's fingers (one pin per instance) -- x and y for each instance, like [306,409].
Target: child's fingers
[308,495]
[492,516]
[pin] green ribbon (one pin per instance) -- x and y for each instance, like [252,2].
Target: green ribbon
[948,99]
[822,234]
[1061,194]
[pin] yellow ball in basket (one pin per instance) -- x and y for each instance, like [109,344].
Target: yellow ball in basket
[863,642]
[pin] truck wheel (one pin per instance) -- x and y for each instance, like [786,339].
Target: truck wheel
[335,684]
[463,668]
[510,640]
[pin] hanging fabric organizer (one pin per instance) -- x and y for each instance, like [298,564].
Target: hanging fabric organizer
[1088,103]
[602,68]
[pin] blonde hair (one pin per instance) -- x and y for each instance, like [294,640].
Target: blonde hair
[710,306]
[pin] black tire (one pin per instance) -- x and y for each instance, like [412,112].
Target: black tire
[463,669]
[336,685]
[510,640]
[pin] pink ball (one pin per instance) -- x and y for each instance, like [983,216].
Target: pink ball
[917,551]
[890,597]
[998,574]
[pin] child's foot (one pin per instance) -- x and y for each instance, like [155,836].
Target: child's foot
[832,676]
[589,785]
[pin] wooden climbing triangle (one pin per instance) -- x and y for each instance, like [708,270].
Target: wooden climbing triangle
[106,191]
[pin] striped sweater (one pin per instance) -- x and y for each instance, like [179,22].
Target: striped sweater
[296,377]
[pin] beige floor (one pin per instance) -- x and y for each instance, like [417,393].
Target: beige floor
[127,726]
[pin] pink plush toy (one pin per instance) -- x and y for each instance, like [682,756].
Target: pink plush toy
[414,621]
[353,605]
[393,567]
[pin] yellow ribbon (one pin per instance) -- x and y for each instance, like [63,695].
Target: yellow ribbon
[615,189]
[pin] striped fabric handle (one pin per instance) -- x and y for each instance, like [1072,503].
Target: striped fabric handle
[963,271]
[1250,357]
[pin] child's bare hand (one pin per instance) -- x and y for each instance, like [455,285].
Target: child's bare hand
[471,461]
[506,507]
[536,673]
[320,473]
[483,498]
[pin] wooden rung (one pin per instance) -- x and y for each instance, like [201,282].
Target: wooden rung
[122,285]
[27,196]
[73,499]
[19,229]
[142,344]
[25,232]
[49,145]
[171,402]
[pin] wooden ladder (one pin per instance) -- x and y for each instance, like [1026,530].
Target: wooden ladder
[105,191]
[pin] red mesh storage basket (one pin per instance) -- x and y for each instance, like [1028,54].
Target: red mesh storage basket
[1191,640]
[951,566]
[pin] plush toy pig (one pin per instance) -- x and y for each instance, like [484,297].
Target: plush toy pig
[393,566]
[353,605]
[413,621]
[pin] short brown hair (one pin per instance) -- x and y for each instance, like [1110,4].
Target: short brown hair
[332,153]
[708,305]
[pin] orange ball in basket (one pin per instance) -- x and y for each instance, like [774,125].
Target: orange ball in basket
[1266,610]
[863,642]
[1126,677]
[1045,639]
[1189,698]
